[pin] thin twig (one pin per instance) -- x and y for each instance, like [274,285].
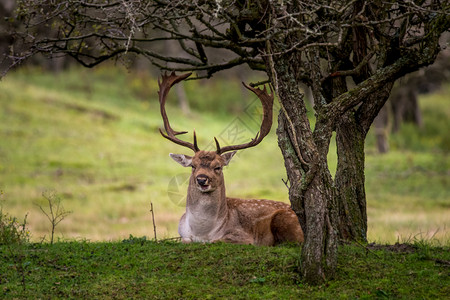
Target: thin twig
[259,83]
[286,182]
[366,248]
[153,219]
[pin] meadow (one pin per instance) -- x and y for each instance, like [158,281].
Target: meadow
[90,139]
[136,268]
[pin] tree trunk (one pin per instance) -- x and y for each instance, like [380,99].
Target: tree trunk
[349,179]
[310,191]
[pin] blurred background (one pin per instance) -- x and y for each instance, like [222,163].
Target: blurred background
[89,138]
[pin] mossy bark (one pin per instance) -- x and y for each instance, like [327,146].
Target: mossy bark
[311,188]
[349,179]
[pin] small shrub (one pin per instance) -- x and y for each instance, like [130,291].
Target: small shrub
[56,212]
[12,231]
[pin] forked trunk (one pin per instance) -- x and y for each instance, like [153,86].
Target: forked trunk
[312,202]
[310,191]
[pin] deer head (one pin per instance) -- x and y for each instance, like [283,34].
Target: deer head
[207,165]
[206,168]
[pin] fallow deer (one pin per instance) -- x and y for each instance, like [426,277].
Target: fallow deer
[211,216]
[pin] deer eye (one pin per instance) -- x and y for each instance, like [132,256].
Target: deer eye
[217,168]
[193,168]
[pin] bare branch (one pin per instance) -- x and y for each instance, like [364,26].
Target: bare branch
[92,31]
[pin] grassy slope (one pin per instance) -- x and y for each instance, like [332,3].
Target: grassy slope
[92,137]
[85,136]
[408,192]
[136,268]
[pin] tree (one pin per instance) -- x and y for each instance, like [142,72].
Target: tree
[348,52]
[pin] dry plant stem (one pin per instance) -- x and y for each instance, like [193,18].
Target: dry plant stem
[56,215]
[18,254]
[153,220]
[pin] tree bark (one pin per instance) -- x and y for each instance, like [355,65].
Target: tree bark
[310,191]
[349,179]
[351,131]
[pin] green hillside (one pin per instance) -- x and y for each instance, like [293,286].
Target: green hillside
[90,138]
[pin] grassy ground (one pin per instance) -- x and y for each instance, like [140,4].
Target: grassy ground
[91,137]
[138,269]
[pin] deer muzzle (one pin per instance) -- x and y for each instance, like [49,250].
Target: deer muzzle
[203,183]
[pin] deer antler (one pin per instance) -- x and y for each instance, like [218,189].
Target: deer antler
[164,86]
[267,104]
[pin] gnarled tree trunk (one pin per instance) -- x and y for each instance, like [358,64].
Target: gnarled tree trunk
[311,188]
[351,131]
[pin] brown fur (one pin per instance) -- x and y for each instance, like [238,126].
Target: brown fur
[211,216]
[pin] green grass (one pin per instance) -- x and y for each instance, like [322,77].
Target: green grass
[91,136]
[136,268]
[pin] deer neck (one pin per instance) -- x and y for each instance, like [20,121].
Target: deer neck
[206,212]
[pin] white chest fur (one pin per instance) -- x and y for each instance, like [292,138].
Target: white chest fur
[204,219]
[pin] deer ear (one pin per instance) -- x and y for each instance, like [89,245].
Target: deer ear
[228,156]
[184,160]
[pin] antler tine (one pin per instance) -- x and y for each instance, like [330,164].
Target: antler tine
[196,149]
[164,86]
[267,104]
[217,145]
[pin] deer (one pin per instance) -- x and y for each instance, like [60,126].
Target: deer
[212,217]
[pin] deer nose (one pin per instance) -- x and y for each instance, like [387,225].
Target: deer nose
[202,180]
